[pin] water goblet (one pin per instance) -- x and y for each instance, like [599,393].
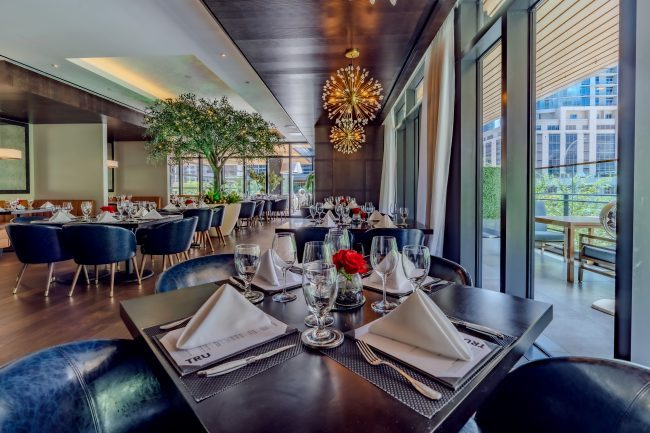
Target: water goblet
[312,211]
[384,259]
[30,203]
[320,289]
[416,260]
[338,238]
[403,213]
[284,256]
[247,262]
[319,209]
[317,252]
[86,209]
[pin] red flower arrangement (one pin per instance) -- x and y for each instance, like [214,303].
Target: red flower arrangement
[349,262]
[356,210]
[107,209]
[189,201]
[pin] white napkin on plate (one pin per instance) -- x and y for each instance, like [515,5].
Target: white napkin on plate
[47,205]
[328,205]
[353,205]
[375,216]
[152,215]
[419,322]
[60,217]
[385,223]
[190,206]
[328,221]
[203,206]
[396,282]
[270,273]
[106,217]
[141,213]
[20,207]
[331,215]
[224,314]
[170,207]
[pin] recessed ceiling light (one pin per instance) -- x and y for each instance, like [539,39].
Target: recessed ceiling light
[223,54]
[54,65]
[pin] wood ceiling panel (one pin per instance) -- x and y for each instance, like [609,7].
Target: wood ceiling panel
[296,45]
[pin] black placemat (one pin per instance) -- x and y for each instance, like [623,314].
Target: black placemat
[391,382]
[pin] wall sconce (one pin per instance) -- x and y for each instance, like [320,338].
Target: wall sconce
[6,153]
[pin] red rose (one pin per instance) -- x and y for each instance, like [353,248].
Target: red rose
[189,201]
[364,215]
[350,262]
[356,210]
[107,209]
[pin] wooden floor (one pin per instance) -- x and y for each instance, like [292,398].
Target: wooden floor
[29,321]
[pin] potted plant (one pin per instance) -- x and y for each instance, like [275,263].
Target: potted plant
[188,126]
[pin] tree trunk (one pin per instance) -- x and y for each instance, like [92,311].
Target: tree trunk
[216,183]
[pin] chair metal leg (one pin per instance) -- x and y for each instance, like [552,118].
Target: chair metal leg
[207,236]
[138,272]
[96,275]
[49,278]
[187,256]
[112,279]
[164,263]
[86,275]
[20,277]
[74,280]
[142,263]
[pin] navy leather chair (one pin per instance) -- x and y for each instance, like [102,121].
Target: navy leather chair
[268,204]
[246,213]
[37,244]
[562,395]
[194,272]
[96,244]
[544,236]
[280,207]
[29,219]
[202,226]
[259,209]
[88,387]
[449,270]
[168,240]
[402,236]
[217,222]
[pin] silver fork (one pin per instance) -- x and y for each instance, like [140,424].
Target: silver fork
[373,359]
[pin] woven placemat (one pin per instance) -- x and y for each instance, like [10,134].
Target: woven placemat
[201,387]
[391,382]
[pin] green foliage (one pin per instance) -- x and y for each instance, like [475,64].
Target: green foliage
[259,179]
[275,180]
[189,126]
[211,196]
[216,197]
[231,197]
[491,192]
[581,192]
[309,182]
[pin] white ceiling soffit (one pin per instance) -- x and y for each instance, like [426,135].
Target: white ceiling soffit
[575,39]
[161,41]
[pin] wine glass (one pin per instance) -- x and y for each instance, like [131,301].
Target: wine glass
[312,211]
[403,213]
[30,203]
[384,258]
[320,289]
[86,208]
[338,238]
[67,207]
[416,260]
[247,262]
[392,210]
[317,252]
[284,253]
[153,205]
[319,209]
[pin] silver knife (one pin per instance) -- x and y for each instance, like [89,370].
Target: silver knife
[478,328]
[235,365]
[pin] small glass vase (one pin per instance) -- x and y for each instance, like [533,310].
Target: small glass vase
[350,290]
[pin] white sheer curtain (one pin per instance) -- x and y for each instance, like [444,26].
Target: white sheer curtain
[436,133]
[389,167]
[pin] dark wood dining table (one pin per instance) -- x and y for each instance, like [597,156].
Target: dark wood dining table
[313,393]
[293,224]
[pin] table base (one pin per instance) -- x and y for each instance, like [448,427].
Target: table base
[125,277]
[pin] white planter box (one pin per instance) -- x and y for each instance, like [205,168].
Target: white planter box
[230,216]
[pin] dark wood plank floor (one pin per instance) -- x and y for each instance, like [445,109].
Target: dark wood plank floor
[29,321]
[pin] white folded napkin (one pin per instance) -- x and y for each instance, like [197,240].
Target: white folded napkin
[224,314]
[328,221]
[328,205]
[20,207]
[396,282]
[331,215]
[152,215]
[170,207]
[141,212]
[353,205]
[106,217]
[60,217]
[419,322]
[190,206]
[47,205]
[375,216]
[203,206]
[271,274]
[385,223]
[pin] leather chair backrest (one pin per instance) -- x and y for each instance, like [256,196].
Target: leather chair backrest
[279,205]
[28,219]
[540,210]
[195,272]
[217,216]
[204,215]
[102,386]
[259,208]
[449,270]
[35,243]
[558,395]
[170,238]
[97,244]
[402,236]
[268,205]
[247,209]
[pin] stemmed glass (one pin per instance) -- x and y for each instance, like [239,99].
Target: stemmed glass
[338,238]
[416,260]
[317,252]
[404,213]
[247,262]
[320,289]
[384,258]
[67,207]
[30,203]
[284,253]
[86,208]
[319,210]
[392,210]
[312,211]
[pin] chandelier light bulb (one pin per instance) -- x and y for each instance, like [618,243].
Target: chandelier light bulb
[347,136]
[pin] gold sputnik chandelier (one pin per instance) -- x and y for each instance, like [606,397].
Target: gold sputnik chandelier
[350,95]
[347,136]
